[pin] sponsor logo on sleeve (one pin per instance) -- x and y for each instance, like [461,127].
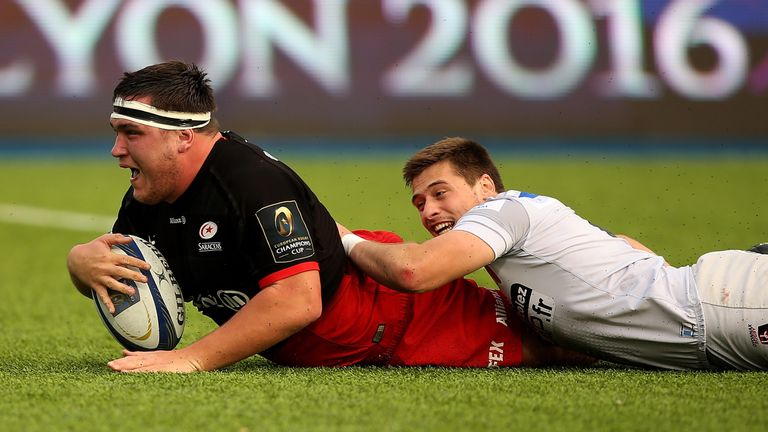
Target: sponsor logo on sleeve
[285,231]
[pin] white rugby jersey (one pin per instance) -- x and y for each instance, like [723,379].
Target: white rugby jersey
[584,289]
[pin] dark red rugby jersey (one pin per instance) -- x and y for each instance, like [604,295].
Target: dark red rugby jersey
[246,221]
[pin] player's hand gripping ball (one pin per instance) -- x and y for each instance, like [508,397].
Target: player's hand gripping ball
[153,318]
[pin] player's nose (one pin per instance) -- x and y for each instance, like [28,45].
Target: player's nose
[119,148]
[431,209]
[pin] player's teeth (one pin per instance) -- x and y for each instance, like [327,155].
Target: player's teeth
[443,227]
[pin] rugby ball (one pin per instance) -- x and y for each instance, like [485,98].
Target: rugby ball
[153,318]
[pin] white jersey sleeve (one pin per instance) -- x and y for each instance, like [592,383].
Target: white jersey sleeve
[503,229]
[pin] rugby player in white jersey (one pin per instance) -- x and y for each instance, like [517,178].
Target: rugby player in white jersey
[577,285]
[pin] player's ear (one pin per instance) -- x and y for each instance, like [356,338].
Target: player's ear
[487,186]
[185,137]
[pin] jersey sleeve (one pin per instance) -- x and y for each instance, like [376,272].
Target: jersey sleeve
[280,224]
[501,223]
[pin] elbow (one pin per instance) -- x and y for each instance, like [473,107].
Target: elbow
[408,281]
[413,279]
[313,312]
[308,312]
[301,317]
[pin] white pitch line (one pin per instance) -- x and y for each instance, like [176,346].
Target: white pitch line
[24,215]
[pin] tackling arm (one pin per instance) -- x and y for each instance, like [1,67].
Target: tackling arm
[414,267]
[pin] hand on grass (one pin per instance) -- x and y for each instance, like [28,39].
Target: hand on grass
[154,361]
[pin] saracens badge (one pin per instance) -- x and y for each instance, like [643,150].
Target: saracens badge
[208,230]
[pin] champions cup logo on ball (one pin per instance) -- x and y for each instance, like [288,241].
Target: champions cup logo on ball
[284,221]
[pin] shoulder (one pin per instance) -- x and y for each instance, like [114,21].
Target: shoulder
[526,198]
[520,204]
[510,204]
[502,221]
[235,152]
[246,172]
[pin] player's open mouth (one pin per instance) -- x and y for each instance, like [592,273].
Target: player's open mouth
[442,227]
[134,173]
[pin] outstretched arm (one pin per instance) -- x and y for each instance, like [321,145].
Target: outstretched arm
[417,267]
[275,313]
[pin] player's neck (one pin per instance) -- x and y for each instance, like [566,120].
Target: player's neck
[193,160]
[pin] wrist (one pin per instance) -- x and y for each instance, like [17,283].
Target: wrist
[349,241]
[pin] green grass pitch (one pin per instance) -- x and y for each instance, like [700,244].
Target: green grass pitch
[53,348]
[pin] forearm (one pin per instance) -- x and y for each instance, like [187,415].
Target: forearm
[416,267]
[79,285]
[71,268]
[275,313]
[398,266]
[265,320]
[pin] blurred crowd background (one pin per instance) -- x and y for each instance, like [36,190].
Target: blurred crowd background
[655,72]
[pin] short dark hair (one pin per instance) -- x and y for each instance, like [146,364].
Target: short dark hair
[172,86]
[469,159]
